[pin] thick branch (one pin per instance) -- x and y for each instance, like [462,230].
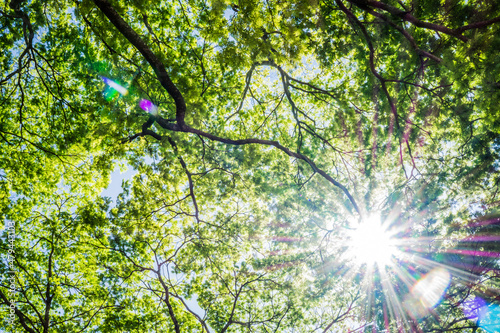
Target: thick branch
[169,305]
[478,25]
[20,315]
[150,57]
[406,16]
[405,34]
[181,126]
[15,4]
[48,296]
[172,127]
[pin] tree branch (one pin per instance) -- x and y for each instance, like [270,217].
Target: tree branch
[172,90]
[20,315]
[382,80]
[169,305]
[405,34]
[406,16]
[159,68]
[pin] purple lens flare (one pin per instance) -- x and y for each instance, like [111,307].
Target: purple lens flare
[148,106]
[472,308]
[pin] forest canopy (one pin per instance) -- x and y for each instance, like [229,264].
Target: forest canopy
[299,166]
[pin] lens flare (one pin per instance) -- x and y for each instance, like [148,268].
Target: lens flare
[112,84]
[487,316]
[473,307]
[427,292]
[114,88]
[148,106]
[110,94]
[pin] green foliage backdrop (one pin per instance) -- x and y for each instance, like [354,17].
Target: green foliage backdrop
[279,126]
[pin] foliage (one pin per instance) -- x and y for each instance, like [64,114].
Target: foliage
[280,125]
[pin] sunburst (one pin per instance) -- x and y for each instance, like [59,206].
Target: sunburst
[371,242]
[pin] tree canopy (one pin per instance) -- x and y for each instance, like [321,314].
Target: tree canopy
[301,166]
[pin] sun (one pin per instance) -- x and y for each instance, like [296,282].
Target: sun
[370,243]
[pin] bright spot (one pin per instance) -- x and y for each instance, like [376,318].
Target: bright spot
[371,243]
[427,292]
[148,106]
[431,287]
[122,90]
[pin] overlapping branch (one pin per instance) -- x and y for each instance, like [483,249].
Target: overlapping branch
[158,66]
[180,125]
[373,69]
[368,5]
